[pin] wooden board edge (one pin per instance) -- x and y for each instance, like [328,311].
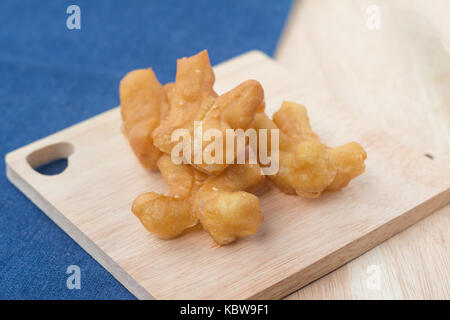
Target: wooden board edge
[357,248]
[84,242]
[288,25]
[19,153]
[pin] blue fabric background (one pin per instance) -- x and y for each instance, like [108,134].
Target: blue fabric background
[52,77]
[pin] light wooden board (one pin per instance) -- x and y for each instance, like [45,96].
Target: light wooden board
[299,241]
[399,78]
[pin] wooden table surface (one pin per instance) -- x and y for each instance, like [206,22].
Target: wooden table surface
[389,61]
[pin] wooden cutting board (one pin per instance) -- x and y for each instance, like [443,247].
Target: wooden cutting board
[299,240]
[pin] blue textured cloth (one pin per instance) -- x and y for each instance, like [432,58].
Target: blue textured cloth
[52,77]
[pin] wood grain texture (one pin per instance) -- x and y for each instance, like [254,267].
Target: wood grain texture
[399,78]
[300,239]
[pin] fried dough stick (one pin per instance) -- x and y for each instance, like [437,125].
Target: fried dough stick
[143,103]
[167,216]
[308,167]
[192,98]
[225,211]
[147,105]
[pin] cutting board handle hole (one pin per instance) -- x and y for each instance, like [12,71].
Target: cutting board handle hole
[51,160]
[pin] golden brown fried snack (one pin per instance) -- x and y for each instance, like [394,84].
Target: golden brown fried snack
[152,112]
[168,216]
[143,103]
[225,211]
[349,160]
[308,167]
[192,98]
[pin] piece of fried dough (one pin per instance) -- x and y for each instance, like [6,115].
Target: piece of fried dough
[192,98]
[167,216]
[224,209]
[306,166]
[143,102]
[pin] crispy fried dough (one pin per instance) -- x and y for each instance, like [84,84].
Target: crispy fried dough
[192,98]
[143,101]
[225,211]
[167,216]
[308,167]
[216,194]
